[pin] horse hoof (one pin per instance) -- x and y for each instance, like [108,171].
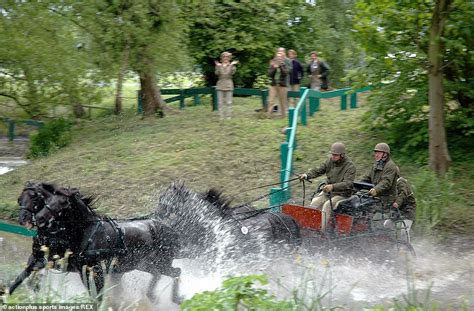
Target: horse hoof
[178,299]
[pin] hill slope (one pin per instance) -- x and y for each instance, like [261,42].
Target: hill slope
[125,160]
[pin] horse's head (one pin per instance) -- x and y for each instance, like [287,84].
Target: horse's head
[54,207]
[31,201]
[40,203]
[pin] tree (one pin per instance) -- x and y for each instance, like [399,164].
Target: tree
[40,63]
[261,27]
[405,68]
[439,155]
[130,34]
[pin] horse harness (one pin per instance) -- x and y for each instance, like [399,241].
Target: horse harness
[119,249]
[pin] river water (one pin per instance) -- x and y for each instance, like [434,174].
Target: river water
[444,272]
[9,163]
[441,276]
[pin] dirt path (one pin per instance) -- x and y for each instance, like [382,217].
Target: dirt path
[13,149]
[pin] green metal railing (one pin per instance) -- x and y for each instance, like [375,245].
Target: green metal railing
[182,94]
[279,195]
[11,124]
[16,229]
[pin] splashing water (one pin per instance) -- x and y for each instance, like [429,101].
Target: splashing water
[445,271]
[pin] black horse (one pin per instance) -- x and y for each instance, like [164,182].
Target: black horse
[209,227]
[66,221]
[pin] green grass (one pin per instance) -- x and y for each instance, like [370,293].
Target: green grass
[126,159]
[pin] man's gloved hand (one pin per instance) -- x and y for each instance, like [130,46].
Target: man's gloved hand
[328,188]
[303,177]
[373,192]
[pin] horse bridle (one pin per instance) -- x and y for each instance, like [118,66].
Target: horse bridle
[38,197]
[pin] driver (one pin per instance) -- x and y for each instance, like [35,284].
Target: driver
[340,173]
[383,175]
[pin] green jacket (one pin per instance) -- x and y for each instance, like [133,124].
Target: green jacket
[405,199]
[341,175]
[384,176]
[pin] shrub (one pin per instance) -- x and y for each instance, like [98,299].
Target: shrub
[237,293]
[52,136]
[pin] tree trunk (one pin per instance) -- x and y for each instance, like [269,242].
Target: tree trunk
[438,148]
[152,101]
[122,72]
[78,110]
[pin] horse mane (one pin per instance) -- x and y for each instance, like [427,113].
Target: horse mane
[69,192]
[219,200]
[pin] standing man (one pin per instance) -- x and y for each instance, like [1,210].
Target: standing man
[319,72]
[340,173]
[383,175]
[278,73]
[288,62]
[296,74]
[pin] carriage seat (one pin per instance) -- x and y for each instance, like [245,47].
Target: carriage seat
[347,205]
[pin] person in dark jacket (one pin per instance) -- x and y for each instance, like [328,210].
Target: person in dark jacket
[296,74]
[340,173]
[278,73]
[318,72]
[405,201]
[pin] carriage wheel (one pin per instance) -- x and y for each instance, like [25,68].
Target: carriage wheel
[405,249]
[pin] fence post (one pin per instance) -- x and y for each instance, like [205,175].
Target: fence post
[214,99]
[11,129]
[291,113]
[304,115]
[283,158]
[264,100]
[353,100]
[344,102]
[181,99]
[276,198]
[197,99]
[140,102]
[313,105]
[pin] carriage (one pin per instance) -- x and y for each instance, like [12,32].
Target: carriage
[360,224]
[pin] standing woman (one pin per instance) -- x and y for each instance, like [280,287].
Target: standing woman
[225,86]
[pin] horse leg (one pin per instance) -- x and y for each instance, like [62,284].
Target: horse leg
[98,274]
[93,280]
[151,286]
[175,274]
[175,291]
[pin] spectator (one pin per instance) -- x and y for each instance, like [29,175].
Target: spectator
[278,72]
[340,173]
[288,63]
[318,72]
[296,74]
[225,86]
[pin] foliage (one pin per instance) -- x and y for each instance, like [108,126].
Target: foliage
[394,36]
[185,79]
[59,53]
[264,26]
[52,136]
[238,293]
[40,62]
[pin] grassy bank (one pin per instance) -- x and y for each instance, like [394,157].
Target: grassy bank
[125,160]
